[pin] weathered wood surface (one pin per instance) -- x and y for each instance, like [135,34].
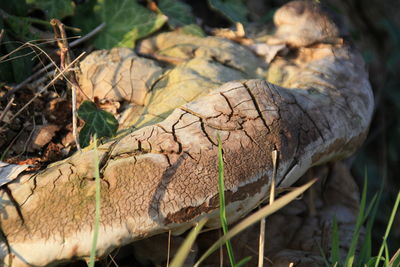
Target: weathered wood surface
[315,108]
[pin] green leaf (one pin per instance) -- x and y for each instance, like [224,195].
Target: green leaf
[335,246]
[126,21]
[178,13]
[97,121]
[234,10]
[85,17]
[54,8]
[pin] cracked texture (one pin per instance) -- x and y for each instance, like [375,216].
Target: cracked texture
[163,176]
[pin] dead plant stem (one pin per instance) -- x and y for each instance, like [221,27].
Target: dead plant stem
[65,59]
[1,35]
[169,247]
[51,64]
[45,88]
[274,156]
[6,109]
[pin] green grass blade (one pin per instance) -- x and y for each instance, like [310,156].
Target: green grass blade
[186,246]
[321,251]
[335,250]
[221,192]
[97,211]
[395,261]
[371,262]
[243,261]
[255,217]
[389,226]
[360,218]
[371,206]
[387,257]
[366,249]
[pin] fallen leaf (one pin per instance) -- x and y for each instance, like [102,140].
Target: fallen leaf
[43,135]
[9,172]
[266,50]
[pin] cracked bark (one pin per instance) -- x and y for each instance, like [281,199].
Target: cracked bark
[163,176]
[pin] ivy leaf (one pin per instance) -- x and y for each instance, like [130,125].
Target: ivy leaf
[178,13]
[126,21]
[97,121]
[234,10]
[54,9]
[85,17]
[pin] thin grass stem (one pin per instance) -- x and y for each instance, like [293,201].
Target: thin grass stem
[97,207]
[255,217]
[388,228]
[184,249]
[360,218]
[222,210]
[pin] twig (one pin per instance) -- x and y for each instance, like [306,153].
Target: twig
[1,35]
[271,200]
[36,83]
[5,152]
[50,65]
[3,114]
[34,76]
[112,260]
[88,36]
[256,253]
[46,23]
[28,140]
[169,247]
[261,243]
[65,57]
[274,163]
[29,43]
[311,195]
[45,88]
[52,61]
